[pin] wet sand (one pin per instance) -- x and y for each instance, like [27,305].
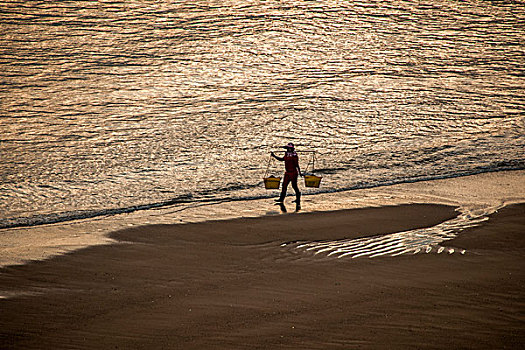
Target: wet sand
[479,194]
[231,285]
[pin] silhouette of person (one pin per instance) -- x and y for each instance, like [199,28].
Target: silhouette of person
[292,171]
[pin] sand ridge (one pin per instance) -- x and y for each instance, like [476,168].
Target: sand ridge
[230,285]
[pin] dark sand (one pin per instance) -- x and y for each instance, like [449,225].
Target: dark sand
[230,285]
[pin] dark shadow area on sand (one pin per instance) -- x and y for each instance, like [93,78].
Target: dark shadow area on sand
[230,285]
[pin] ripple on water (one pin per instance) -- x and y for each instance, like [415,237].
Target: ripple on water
[131,105]
[425,240]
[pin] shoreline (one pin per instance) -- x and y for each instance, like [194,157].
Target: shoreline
[483,193]
[65,218]
[232,285]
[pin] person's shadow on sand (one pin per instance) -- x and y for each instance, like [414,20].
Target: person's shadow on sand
[284,210]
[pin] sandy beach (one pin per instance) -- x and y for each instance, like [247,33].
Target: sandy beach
[233,285]
[137,139]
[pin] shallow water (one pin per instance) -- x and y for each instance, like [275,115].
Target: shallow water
[423,240]
[118,106]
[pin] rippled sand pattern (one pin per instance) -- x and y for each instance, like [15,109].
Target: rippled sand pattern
[425,240]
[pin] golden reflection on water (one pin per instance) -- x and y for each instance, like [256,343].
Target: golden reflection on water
[116,104]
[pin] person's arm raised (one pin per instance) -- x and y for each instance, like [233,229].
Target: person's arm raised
[278,158]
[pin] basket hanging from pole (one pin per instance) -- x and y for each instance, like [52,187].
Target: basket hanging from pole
[312,180]
[271,182]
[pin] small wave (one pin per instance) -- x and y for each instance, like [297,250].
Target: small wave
[54,218]
[419,178]
[62,217]
[210,197]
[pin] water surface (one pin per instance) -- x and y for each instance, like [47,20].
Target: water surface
[115,106]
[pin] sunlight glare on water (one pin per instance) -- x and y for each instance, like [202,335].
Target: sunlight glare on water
[123,105]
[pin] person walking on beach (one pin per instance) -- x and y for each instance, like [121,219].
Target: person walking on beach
[292,171]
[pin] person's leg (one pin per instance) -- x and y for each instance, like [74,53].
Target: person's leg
[296,189]
[286,181]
